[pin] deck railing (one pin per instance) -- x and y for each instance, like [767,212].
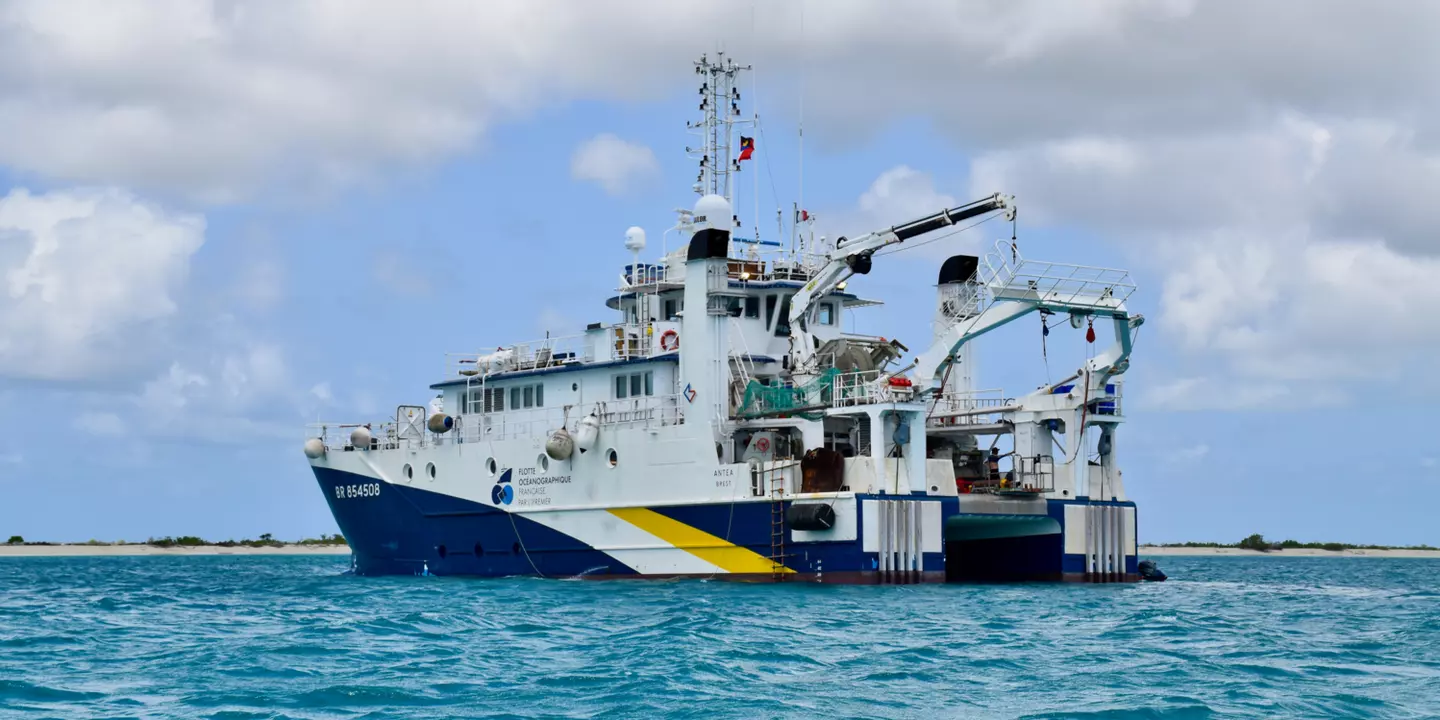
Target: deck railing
[868,387]
[975,407]
[647,412]
[622,341]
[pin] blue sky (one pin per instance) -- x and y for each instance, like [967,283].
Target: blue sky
[208,244]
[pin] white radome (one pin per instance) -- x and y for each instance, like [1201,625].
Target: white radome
[635,239]
[713,212]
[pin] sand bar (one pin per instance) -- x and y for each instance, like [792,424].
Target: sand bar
[1158,550]
[147,550]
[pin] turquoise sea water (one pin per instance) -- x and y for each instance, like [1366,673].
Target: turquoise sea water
[253,637]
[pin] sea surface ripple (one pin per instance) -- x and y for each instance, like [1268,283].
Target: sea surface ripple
[294,637]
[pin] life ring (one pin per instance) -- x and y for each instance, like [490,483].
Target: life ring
[670,341]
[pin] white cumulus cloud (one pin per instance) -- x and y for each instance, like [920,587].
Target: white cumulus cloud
[228,100]
[614,164]
[83,272]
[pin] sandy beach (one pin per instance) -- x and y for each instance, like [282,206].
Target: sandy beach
[147,550]
[1146,550]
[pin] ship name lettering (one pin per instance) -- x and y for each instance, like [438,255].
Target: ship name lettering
[345,492]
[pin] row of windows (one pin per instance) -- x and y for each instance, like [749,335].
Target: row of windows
[749,307]
[487,401]
[493,399]
[634,385]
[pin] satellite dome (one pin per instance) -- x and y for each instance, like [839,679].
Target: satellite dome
[635,239]
[713,212]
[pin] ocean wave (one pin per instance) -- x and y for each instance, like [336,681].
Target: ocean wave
[295,637]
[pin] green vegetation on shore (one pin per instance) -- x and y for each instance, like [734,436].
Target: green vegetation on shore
[266,540]
[1258,542]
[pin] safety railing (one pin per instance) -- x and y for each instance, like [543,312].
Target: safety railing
[1033,475]
[623,341]
[336,436]
[530,355]
[867,387]
[976,407]
[648,412]
[1053,284]
[749,267]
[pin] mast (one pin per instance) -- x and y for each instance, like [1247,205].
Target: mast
[720,108]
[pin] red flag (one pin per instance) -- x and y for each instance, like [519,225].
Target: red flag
[747,147]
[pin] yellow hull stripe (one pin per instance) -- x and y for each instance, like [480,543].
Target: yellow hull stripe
[724,554]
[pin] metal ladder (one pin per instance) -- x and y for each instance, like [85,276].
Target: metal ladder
[777,523]
[862,440]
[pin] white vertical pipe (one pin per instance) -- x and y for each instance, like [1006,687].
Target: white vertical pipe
[883,515]
[1109,547]
[905,546]
[917,538]
[1116,552]
[1105,533]
[1117,533]
[1109,542]
[909,509]
[1100,543]
[1092,543]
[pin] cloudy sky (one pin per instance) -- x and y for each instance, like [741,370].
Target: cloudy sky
[222,220]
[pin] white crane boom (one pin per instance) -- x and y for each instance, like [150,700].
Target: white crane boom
[854,257]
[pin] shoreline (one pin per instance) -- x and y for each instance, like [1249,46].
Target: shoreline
[151,550]
[80,550]
[1176,551]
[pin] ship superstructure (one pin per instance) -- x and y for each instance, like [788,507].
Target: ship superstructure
[723,424]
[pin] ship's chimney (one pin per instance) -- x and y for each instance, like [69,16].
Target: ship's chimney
[704,341]
[958,299]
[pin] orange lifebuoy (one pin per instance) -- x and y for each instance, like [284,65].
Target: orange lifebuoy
[669,341]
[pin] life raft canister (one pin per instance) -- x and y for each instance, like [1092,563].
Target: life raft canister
[669,341]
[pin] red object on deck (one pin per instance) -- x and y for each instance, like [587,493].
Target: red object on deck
[898,381]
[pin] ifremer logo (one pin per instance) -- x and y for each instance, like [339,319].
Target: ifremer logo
[502,493]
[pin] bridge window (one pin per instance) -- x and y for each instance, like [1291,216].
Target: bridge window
[752,307]
[638,384]
[769,310]
[527,396]
[672,308]
[827,314]
[782,319]
[487,401]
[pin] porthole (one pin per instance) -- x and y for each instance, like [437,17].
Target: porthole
[490,466]
[479,549]
[515,548]
[612,458]
[430,470]
[574,386]
[409,472]
[440,551]
[543,462]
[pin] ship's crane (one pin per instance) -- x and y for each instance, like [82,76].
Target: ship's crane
[855,257]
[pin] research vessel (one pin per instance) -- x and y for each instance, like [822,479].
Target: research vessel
[722,424]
